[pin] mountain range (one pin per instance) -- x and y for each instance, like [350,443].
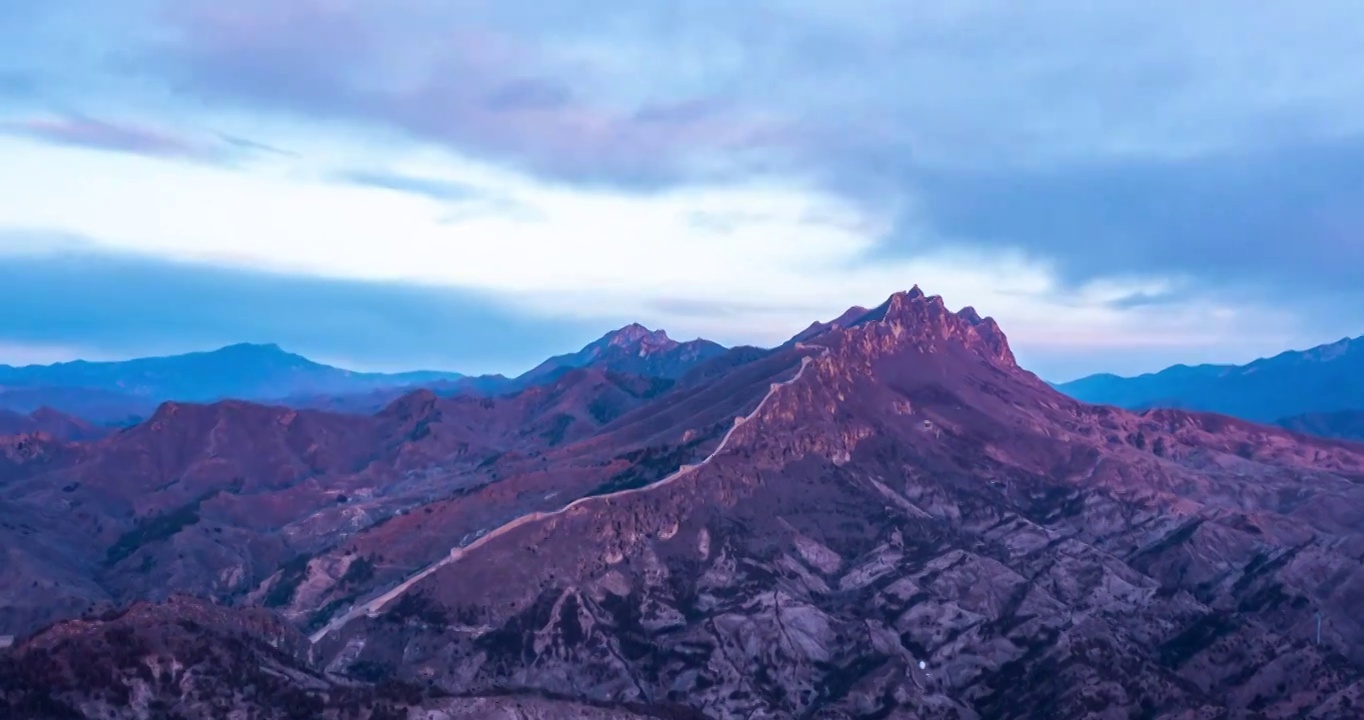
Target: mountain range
[123,392]
[1316,390]
[885,517]
[115,391]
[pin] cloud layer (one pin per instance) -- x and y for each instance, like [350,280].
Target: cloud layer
[114,305]
[1181,182]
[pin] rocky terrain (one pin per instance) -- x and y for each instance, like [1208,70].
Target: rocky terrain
[186,658]
[884,518]
[233,500]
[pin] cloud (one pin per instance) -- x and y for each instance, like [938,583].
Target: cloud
[83,131]
[480,89]
[975,82]
[90,303]
[1090,136]
[253,146]
[1118,182]
[88,132]
[428,187]
[1260,220]
[528,94]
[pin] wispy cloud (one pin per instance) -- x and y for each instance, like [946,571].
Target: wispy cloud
[134,138]
[253,146]
[97,134]
[428,187]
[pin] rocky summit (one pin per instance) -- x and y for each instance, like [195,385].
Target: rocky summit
[886,517]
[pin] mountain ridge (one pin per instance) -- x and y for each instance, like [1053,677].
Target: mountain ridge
[1324,378]
[241,370]
[119,392]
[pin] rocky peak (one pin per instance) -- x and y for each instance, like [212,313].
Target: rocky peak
[913,316]
[636,337]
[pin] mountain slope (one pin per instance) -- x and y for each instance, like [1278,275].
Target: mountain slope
[189,659]
[1326,378]
[249,503]
[914,527]
[1343,424]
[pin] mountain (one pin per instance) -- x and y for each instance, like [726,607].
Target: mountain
[884,518]
[909,525]
[245,371]
[1345,424]
[633,349]
[1326,378]
[217,500]
[123,393]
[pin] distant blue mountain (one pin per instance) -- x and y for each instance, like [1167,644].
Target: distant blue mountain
[1327,378]
[111,390]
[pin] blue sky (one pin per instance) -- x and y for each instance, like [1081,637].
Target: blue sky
[474,185]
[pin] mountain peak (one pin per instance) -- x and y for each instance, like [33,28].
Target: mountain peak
[925,319]
[633,349]
[636,335]
[253,349]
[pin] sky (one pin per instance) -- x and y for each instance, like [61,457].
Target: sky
[474,185]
